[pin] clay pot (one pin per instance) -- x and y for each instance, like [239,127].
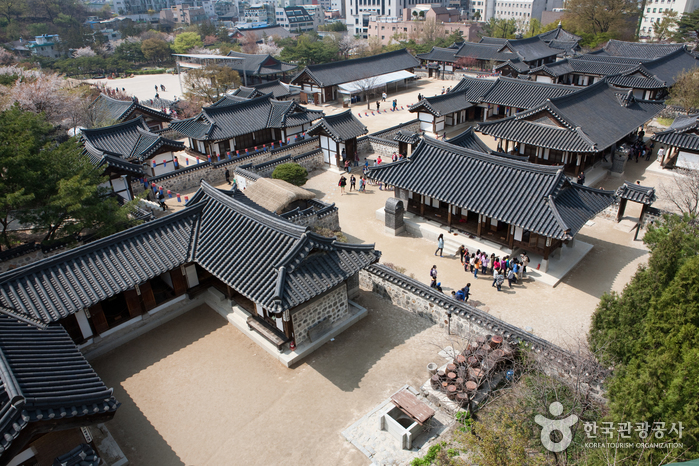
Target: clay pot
[432,368]
[451,392]
[495,341]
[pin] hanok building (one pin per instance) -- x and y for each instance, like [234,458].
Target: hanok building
[649,78]
[338,135]
[259,68]
[531,51]
[435,113]
[324,83]
[48,393]
[237,126]
[539,211]
[130,149]
[642,50]
[279,90]
[108,109]
[467,55]
[567,42]
[286,282]
[681,143]
[574,130]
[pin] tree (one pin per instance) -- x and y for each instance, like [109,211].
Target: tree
[688,27]
[683,190]
[186,41]
[22,136]
[685,91]
[653,331]
[44,94]
[366,86]
[130,51]
[534,28]
[249,42]
[600,16]
[211,82]
[431,30]
[663,29]
[155,50]
[291,173]
[84,52]
[501,28]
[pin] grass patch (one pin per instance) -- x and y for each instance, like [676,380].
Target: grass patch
[665,121]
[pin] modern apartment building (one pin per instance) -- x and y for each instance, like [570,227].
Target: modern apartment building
[655,9]
[359,12]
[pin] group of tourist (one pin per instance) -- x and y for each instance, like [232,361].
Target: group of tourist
[353,184]
[641,150]
[508,268]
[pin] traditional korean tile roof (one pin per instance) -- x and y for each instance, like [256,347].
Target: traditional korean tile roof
[130,141]
[636,78]
[340,72]
[45,377]
[260,64]
[474,88]
[539,198]
[340,127]
[682,133]
[237,118]
[596,57]
[636,193]
[485,51]
[440,54]
[620,48]
[589,120]
[517,93]
[469,140]
[530,49]
[247,92]
[276,88]
[82,455]
[559,34]
[407,137]
[442,104]
[492,40]
[577,65]
[568,46]
[264,257]
[670,67]
[121,110]
[516,65]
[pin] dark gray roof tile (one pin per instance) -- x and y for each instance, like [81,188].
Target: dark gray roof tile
[620,48]
[339,72]
[636,193]
[517,93]
[340,127]
[121,110]
[539,198]
[442,104]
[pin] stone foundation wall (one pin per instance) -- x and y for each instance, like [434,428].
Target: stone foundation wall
[332,306]
[412,126]
[28,258]
[214,173]
[466,320]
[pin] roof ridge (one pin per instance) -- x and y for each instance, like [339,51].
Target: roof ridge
[133,122]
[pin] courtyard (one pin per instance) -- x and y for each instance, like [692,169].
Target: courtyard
[196,391]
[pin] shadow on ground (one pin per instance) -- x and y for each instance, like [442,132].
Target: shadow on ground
[595,274]
[119,365]
[346,361]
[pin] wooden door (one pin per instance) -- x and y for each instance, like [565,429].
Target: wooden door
[147,296]
[179,282]
[98,319]
[133,303]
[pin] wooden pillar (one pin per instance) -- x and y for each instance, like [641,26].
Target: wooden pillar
[510,236]
[449,216]
[288,324]
[480,224]
[133,303]
[179,281]
[422,204]
[622,208]
[147,296]
[98,319]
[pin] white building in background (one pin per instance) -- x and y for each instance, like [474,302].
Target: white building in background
[521,10]
[655,10]
[357,12]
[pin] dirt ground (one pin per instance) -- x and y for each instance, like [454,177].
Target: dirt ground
[561,314]
[196,391]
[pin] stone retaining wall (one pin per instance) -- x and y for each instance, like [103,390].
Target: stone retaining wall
[466,320]
[28,258]
[332,306]
[214,173]
[382,143]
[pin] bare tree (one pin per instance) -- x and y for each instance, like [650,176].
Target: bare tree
[249,42]
[432,30]
[683,191]
[367,86]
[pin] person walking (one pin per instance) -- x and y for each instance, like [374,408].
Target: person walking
[581,178]
[466,291]
[440,245]
[353,183]
[228,176]
[495,277]
[342,184]
[161,200]
[476,266]
[484,263]
[524,259]
[499,280]
[433,273]
[472,261]
[378,106]
[395,104]
[511,277]
[361,184]
[383,97]
[661,154]
[460,252]
[347,166]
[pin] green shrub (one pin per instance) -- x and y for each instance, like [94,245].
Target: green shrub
[291,173]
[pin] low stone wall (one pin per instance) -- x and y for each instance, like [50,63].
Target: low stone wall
[332,306]
[319,215]
[466,320]
[382,143]
[412,126]
[214,173]
[309,160]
